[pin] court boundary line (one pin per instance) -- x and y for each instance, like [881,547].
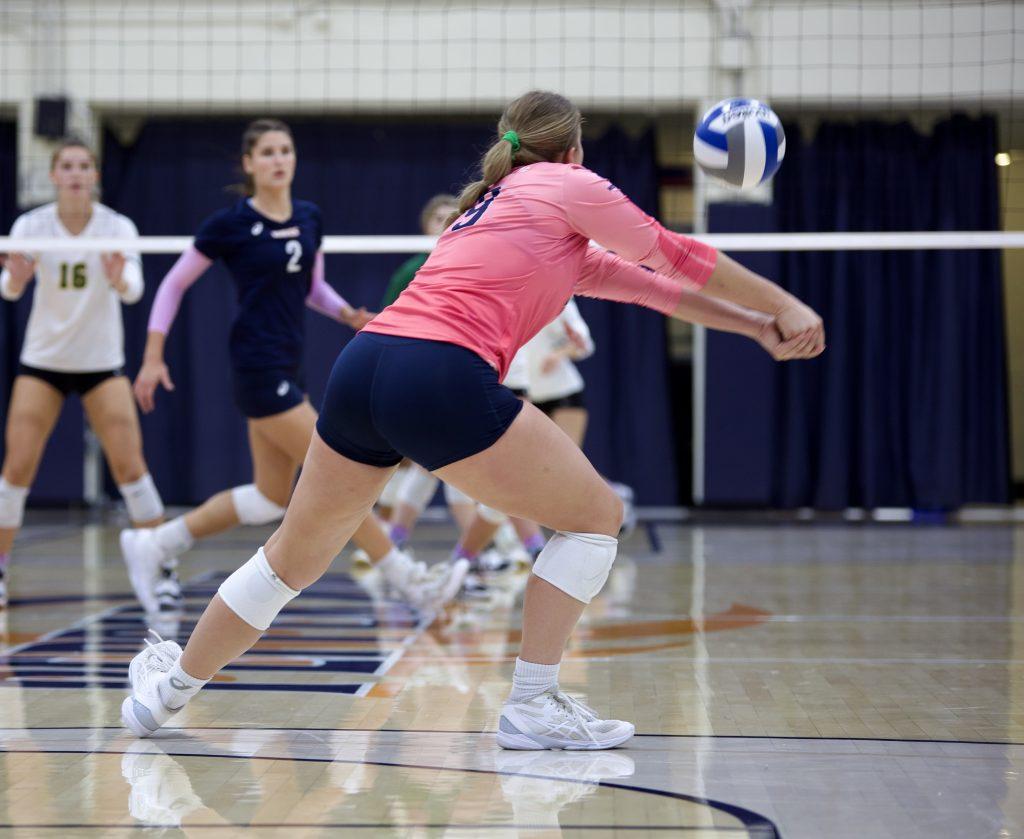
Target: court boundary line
[467,731]
[754,823]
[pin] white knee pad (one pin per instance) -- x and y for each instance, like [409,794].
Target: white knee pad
[255,593]
[577,563]
[417,489]
[389,495]
[253,507]
[142,499]
[12,504]
[490,515]
[454,495]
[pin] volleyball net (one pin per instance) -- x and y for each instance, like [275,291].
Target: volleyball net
[113,73]
[905,133]
[728,242]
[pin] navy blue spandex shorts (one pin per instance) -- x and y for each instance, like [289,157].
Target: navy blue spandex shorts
[391,397]
[268,391]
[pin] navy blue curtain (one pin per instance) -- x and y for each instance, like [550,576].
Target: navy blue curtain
[630,437]
[368,178]
[908,405]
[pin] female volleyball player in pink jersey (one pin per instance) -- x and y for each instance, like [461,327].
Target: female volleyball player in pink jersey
[422,380]
[271,246]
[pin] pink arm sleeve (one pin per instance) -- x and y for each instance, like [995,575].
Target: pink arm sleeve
[609,277]
[322,297]
[189,268]
[598,209]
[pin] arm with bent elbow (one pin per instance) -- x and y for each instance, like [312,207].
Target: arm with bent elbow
[190,267]
[324,299]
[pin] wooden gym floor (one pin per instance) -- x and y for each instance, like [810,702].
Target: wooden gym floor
[804,681]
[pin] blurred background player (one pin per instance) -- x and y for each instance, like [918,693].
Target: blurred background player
[74,343]
[271,245]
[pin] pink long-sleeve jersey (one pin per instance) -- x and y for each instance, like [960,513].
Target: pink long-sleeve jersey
[508,266]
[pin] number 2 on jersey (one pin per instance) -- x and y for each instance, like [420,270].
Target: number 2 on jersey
[472,215]
[77,275]
[293,247]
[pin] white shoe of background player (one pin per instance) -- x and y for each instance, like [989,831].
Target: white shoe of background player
[423,587]
[144,558]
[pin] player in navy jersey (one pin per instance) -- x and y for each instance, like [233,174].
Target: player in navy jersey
[270,243]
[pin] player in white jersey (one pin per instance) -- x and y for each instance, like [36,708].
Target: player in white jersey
[74,344]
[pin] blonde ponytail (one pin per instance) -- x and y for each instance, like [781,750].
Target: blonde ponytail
[546,124]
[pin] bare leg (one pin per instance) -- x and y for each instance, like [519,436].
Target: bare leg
[277,444]
[525,529]
[536,472]
[110,409]
[573,421]
[34,409]
[333,496]
[478,535]
[371,537]
[463,515]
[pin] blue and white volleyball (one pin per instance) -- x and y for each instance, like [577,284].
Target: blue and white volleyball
[740,141]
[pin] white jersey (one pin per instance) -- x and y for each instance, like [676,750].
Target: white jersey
[518,375]
[75,324]
[565,379]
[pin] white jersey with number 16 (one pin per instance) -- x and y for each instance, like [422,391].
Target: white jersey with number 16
[75,324]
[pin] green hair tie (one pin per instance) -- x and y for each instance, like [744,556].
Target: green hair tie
[513,140]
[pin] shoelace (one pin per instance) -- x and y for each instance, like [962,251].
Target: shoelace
[163,658]
[576,711]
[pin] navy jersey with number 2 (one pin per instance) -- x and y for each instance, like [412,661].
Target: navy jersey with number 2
[271,263]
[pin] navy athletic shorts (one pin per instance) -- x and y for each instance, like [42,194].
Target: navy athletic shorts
[391,397]
[268,391]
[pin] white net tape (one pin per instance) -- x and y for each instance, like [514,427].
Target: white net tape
[735,242]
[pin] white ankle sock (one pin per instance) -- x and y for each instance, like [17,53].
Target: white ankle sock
[173,537]
[530,680]
[178,687]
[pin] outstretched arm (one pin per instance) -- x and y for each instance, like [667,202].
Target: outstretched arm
[596,208]
[324,299]
[609,277]
[189,268]
[799,324]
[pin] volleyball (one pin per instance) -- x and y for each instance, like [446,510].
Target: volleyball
[741,142]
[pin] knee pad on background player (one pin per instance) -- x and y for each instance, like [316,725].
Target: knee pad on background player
[577,563]
[490,515]
[453,495]
[417,489]
[12,504]
[142,499]
[253,507]
[255,593]
[389,495]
